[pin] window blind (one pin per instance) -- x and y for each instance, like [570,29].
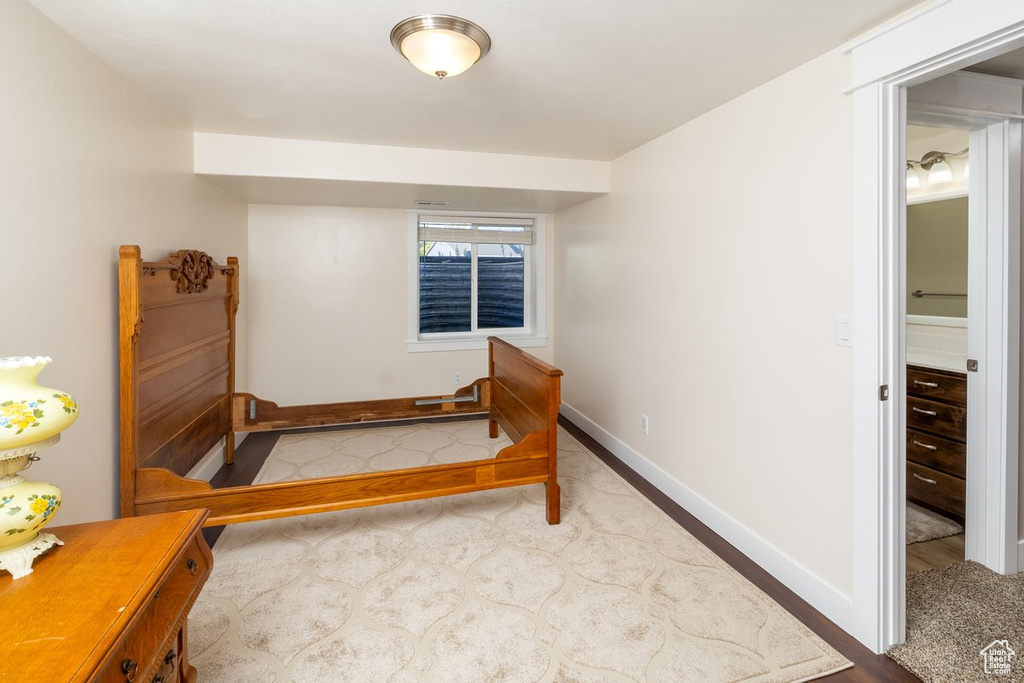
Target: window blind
[475,230]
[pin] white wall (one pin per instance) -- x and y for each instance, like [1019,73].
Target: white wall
[703,291]
[87,163]
[328,303]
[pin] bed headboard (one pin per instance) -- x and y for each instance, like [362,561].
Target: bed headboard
[177,348]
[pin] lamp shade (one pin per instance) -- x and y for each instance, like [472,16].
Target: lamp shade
[940,172]
[30,414]
[913,181]
[440,45]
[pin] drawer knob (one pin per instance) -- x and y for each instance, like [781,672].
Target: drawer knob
[933,385]
[923,411]
[193,566]
[925,445]
[130,669]
[159,678]
[925,479]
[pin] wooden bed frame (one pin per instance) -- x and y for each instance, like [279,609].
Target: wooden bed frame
[177,346]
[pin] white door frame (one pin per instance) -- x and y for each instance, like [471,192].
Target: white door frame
[936,39]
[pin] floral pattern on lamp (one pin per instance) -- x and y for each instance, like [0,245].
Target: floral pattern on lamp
[31,419]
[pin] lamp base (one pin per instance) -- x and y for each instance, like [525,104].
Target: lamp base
[18,561]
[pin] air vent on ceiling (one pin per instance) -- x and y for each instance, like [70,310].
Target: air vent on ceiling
[432,202]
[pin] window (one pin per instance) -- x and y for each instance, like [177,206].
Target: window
[476,276]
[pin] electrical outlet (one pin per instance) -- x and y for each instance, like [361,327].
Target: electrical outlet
[457,378]
[644,423]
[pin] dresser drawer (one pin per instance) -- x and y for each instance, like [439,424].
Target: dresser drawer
[939,490]
[937,418]
[144,650]
[937,453]
[937,386]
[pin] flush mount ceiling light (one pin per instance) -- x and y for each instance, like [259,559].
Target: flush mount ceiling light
[439,44]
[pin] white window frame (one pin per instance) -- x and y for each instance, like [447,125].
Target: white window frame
[534,331]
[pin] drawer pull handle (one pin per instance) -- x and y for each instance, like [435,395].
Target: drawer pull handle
[159,678]
[925,445]
[925,479]
[933,385]
[130,669]
[926,412]
[169,659]
[193,566]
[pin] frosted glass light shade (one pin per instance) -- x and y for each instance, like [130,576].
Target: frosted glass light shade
[440,45]
[913,181]
[440,52]
[940,173]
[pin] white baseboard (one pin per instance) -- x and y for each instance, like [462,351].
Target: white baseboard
[821,595]
[212,461]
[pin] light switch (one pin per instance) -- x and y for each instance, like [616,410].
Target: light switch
[844,330]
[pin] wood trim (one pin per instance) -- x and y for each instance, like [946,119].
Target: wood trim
[129,270]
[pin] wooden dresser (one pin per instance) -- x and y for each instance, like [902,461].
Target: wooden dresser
[937,440]
[110,605]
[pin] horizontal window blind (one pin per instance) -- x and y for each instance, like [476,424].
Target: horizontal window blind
[474,230]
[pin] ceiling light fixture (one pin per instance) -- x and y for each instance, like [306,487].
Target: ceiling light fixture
[439,44]
[937,166]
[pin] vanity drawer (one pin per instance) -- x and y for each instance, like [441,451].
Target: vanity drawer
[937,453]
[938,418]
[936,489]
[937,386]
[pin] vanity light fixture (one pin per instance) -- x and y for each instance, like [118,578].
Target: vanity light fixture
[439,44]
[937,166]
[913,181]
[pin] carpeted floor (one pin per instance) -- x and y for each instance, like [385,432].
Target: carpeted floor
[479,588]
[953,614]
[925,525]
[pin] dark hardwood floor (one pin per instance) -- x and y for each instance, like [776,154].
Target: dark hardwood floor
[867,666]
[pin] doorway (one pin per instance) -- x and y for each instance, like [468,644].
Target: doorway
[935,333]
[885,65]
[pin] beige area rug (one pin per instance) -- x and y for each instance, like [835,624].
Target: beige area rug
[925,525]
[953,614]
[479,587]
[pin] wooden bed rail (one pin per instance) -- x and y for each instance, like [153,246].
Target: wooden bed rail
[161,490]
[252,414]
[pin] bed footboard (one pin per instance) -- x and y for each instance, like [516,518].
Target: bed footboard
[525,398]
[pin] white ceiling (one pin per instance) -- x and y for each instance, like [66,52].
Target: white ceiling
[584,79]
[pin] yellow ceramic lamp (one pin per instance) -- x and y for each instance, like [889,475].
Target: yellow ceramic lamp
[31,418]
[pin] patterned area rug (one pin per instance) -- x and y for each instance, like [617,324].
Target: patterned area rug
[957,613]
[925,525]
[479,588]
